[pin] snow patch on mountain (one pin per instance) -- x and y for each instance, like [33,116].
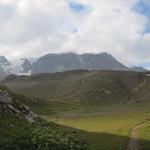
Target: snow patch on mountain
[16,66]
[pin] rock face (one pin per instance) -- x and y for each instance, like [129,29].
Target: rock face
[3,61]
[4,97]
[26,65]
[70,61]
[22,111]
[138,69]
[2,73]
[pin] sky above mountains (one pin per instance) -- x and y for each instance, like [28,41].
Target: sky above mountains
[31,28]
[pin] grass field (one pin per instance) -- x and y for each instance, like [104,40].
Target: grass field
[144,133]
[114,124]
[110,132]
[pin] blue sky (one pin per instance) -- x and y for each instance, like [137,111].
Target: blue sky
[77,7]
[143,8]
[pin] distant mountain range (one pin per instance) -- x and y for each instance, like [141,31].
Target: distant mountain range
[70,61]
[52,63]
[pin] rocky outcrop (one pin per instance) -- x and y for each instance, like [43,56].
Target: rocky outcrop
[3,73]
[28,114]
[4,97]
[3,60]
[22,111]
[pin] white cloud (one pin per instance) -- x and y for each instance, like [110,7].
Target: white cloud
[30,28]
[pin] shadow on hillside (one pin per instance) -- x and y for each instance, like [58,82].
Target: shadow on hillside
[106,141]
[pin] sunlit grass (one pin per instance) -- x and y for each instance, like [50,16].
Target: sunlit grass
[119,124]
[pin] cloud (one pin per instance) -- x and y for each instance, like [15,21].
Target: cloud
[30,28]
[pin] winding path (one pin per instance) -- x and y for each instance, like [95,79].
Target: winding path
[132,145]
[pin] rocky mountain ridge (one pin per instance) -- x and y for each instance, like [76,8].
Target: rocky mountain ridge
[52,63]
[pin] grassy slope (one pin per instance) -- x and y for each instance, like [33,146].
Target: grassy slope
[17,133]
[84,92]
[103,86]
[112,129]
[12,129]
[106,102]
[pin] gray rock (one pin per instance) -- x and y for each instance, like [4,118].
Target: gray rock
[4,97]
[26,66]
[3,60]
[3,74]
[138,69]
[23,111]
[31,117]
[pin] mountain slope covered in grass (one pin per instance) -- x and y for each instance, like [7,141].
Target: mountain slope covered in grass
[81,85]
[83,91]
[21,129]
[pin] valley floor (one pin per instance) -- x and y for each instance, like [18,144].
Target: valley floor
[109,131]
